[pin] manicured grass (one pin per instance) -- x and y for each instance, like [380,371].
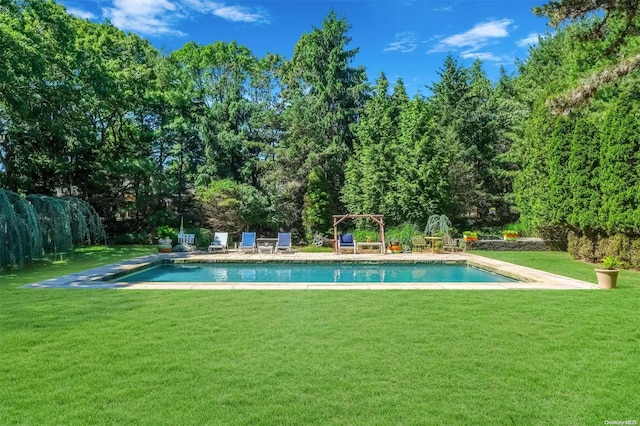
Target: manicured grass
[561,263]
[79,260]
[317,357]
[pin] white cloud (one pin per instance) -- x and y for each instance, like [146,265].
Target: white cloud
[236,14]
[530,40]
[477,37]
[162,16]
[81,13]
[144,16]
[405,43]
[484,56]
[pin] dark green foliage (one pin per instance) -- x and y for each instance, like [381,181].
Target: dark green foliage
[620,167]
[531,185]
[86,226]
[619,19]
[372,173]
[559,188]
[322,95]
[270,143]
[592,247]
[403,234]
[582,171]
[316,212]
[20,233]
[67,222]
[38,224]
[231,207]
[579,171]
[55,222]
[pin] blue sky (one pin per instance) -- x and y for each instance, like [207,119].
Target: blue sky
[406,39]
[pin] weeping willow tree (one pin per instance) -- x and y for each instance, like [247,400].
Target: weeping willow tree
[20,233]
[86,226]
[55,222]
[39,224]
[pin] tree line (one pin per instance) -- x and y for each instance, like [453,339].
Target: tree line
[232,141]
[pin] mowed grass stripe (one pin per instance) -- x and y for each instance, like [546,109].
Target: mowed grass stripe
[325,357]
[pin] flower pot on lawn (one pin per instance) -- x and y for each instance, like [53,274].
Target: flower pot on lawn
[607,278]
[608,275]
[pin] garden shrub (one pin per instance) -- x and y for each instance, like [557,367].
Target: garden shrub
[634,254]
[594,246]
[618,245]
[362,234]
[203,236]
[581,247]
[403,233]
[556,236]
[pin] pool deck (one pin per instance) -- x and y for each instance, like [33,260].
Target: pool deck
[533,279]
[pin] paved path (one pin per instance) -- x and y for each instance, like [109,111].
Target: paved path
[531,279]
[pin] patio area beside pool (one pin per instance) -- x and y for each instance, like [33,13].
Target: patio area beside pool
[106,277]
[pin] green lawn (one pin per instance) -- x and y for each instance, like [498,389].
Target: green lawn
[561,263]
[316,357]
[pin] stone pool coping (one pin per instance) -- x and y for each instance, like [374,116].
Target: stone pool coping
[531,279]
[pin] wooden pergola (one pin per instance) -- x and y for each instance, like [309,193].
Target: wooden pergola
[337,218]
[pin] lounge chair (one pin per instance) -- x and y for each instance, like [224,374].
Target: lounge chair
[449,244]
[248,242]
[346,241]
[219,242]
[419,243]
[284,242]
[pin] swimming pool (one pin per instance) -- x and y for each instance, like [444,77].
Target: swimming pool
[314,273]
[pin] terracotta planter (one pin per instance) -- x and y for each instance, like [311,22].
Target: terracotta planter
[607,278]
[467,238]
[510,237]
[395,249]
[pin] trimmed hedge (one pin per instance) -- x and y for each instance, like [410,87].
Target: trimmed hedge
[592,247]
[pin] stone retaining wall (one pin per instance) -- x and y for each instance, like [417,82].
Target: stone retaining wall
[529,244]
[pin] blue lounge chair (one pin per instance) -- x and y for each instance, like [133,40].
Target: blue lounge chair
[248,242]
[284,242]
[346,241]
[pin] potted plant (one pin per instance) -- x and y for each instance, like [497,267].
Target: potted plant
[470,236]
[394,246]
[510,235]
[165,238]
[608,275]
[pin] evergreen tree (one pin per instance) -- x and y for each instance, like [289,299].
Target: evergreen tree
[582,175]
[531,184]
[620,166]
[421,182]
[372,166]
[558,158]
[316,212]
[322,95]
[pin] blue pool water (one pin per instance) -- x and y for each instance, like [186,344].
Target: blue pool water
[314,273]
